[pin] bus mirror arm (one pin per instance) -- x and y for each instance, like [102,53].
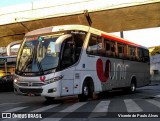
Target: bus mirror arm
[86,14]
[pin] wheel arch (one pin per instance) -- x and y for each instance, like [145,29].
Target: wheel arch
[88,79]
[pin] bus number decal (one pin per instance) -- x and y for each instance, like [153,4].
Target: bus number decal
[103,75]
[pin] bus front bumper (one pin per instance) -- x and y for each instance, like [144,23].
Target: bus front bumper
[48,90]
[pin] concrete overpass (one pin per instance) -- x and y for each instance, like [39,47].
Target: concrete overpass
[15,21]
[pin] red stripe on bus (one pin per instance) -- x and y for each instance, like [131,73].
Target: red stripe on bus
[119,40]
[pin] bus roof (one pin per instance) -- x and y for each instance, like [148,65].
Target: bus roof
[57,28]
[82,28]
[118,39]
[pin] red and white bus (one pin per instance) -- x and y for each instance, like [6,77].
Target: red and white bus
[78,60]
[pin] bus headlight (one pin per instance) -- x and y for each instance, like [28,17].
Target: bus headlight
[54,79]
[58,78]
[16,80]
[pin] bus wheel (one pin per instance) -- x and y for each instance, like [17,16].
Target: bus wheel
[49,99]
[87,91]
[133,87]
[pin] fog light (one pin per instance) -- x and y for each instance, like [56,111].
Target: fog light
[52,90]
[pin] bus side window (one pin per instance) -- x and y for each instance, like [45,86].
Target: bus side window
[95,45]
[125,51]
[99,46]
[79,40]
[120,50]
[107,47]
[140,54]
[92,45]
[145,55]
[132,53]
[68,55]
[113,49]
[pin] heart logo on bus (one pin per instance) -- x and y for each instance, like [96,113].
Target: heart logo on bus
[103,74]
[42,78]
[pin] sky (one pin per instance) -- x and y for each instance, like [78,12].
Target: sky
[146,37]
[4,3]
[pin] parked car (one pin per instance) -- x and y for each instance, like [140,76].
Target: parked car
[6,82]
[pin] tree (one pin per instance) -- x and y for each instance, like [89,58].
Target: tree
[156,51]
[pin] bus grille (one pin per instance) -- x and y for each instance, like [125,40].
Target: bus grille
[30,84]
[23,84]
[37,84]
[33,91]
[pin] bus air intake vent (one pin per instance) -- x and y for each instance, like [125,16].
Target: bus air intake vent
[33,91]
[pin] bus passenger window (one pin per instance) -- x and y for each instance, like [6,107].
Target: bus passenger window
[113,53]
[145,55]
[113,48]
[140,54]
[120,50]
[78,37]
[99,46]
[68,57]
[107,48]
[132,53]
[94,45]
[125,51]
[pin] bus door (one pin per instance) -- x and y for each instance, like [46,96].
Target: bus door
[67,66]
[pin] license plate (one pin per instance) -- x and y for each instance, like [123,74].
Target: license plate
[31,94]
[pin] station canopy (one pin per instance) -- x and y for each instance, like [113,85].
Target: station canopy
[109,16]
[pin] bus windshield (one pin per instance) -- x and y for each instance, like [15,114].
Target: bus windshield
[38,54]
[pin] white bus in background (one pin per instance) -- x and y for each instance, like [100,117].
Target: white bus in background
[7,64]
[78,60]
[7,69]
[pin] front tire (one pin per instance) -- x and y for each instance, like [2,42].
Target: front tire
[133,87]
[87,91]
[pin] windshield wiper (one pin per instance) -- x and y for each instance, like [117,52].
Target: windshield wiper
[28,61]
[40,67]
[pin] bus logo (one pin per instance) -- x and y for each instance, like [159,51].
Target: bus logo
[30,83]
[42,78]
[118,70]
[103,75]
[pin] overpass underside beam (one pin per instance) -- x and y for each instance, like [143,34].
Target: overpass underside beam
[129,18]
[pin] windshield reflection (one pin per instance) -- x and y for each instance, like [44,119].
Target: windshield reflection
[38,54]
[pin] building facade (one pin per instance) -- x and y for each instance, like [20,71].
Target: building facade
[155,67]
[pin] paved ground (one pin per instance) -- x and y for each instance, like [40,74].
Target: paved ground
[144,104]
